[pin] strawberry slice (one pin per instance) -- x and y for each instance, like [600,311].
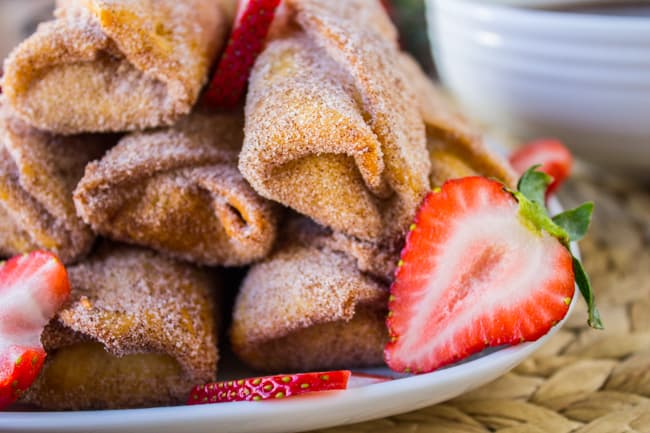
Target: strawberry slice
[555,160]
[32,289]
[254,18]
[19,366]
[482,267]
[269,387]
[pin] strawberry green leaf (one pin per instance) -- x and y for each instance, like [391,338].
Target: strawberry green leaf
[575,221]
[533,184]
[587,292]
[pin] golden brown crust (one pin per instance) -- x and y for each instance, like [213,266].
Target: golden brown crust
[376,259]
[456,148]
[134,301]
[366,14]
[355,343]
[38,172]
[303,291]
[331,127]
[178,191]
[114,65]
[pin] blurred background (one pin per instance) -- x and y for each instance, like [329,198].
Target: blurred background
[18,19]
[576,70]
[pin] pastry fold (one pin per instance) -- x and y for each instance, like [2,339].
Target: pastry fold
[377,260]
[332,127]
[38,172]
[139,330]
[115,65]
[309,307]
[456,148]
[178,191]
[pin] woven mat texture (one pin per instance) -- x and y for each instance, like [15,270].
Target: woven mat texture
[582,380]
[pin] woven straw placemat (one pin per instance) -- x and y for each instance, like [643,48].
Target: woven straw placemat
[582,380]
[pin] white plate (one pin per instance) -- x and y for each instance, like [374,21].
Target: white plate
[318,410]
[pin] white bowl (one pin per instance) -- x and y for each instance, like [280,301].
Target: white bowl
[581,77]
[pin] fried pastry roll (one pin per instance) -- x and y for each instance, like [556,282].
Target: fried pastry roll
[139,330]
[309,307]
[375,259]
[178,191]
[456,148]
[332,127]
[38,172]
[115,65]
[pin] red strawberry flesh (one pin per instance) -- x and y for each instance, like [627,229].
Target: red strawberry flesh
[246,42]
[472,276]
[269,387]
[19,367]
[32,289]
[555,160]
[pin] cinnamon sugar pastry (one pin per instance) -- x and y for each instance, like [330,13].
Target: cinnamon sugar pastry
[38,172]
[372,258]
[456,148]
[332,127]
[309,307]
[178,190]
[139,330]
[114,65]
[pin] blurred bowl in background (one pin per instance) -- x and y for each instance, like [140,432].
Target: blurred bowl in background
[18,19]
[582,76]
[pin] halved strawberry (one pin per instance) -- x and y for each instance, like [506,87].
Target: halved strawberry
[32,289]
[254,18]
[482,267]
[555,160]
[269,387]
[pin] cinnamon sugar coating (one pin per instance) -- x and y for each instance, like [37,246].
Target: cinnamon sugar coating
[456,149]
[131,301]
[38,172]
[115,65]
[336,119]
[332,129]
[178,191]
[309,307]
[372,258]
[367,14]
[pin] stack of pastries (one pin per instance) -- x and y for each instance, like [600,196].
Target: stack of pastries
[109,161]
